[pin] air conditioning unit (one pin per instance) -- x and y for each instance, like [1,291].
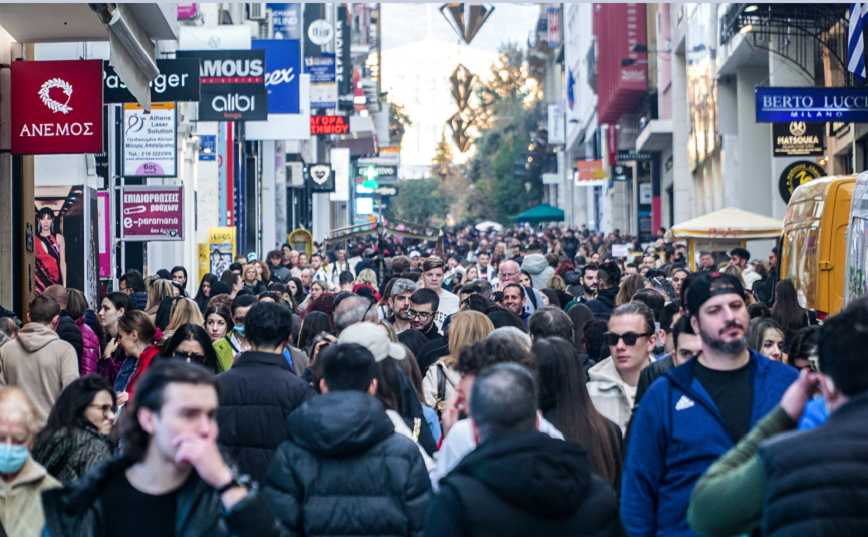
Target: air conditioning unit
[256,11]
[295,174]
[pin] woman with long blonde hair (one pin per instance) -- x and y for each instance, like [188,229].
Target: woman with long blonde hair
[157,291]
[439,383]
[184,311]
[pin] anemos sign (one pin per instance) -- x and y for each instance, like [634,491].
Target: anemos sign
[56,107]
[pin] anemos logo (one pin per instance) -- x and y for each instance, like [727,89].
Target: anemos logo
[56,106]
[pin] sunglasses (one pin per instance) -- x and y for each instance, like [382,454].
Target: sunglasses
[629,338]
[192,356]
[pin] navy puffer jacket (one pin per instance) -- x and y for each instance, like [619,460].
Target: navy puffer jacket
[69,332]
[344,471]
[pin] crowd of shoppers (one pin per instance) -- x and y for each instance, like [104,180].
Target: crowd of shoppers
[491,383]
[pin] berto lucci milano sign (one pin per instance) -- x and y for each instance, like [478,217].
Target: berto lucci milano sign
[811,105]
[232,84]
[56,107]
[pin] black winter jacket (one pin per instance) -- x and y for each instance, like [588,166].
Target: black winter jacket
[256,397]
[604,304]
[344,471]
[69,332]
[75,510]
[524,483]
[140,300]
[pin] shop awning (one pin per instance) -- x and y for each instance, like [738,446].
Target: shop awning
[728,223]
[541,213]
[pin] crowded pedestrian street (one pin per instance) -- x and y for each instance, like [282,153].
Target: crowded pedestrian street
[433,270]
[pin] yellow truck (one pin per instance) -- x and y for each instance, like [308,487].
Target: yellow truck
[814,249]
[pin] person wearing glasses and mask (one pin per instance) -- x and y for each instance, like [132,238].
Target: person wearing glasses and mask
[631,339]
[76,437]
[191,343]
[422,312]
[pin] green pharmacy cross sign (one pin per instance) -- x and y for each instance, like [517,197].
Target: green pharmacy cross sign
[370,175]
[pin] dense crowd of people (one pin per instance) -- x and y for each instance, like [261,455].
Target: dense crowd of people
[497,382]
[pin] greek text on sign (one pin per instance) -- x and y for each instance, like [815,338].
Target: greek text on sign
[58,107]
[150,141]
[329,125]
[152,213]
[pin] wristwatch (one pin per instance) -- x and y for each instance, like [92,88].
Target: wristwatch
[236,481]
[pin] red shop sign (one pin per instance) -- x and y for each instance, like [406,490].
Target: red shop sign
[56,107]
[329,125]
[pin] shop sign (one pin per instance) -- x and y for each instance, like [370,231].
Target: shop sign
[553,37]
[187,12]
[621,172]
[817,105]
[152,213]
[382,190]
[282,70]
[329,125]
[386,175]
[321,178]
[798,138]
[627,156]
[232,84]
[57,107]
[178,81]
[286,20]
[150,141]
[797,174]
[104,243]
[588,170]
[323,86]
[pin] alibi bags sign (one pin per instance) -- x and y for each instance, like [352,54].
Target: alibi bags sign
[231,84]
[56,107]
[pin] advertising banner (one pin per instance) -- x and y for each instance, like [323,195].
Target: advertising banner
[57,107]
[286,20]
[382,190]
[207,147]
[323,90]
[178,82]
[152,213]
[150,148]
[321,178]
[385,175]
[553,36]
[329,125]
[798,139]
[817,105]
[282,127]
[556,123]
[221,247]
[104,221]
[343,60]
[282,70]
[65,242]
[232,84]
[590,170]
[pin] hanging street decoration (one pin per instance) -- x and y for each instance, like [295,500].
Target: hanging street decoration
[459,132]
[462,81]
[466,19]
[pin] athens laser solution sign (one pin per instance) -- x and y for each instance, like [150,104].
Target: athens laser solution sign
[56,107]
[149,141]
[152,213]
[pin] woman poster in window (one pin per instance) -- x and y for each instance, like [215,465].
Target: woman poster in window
[50,252]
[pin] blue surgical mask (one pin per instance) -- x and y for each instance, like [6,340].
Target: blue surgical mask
[239,329]
[12,458]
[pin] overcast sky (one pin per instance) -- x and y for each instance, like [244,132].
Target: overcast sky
[407,23]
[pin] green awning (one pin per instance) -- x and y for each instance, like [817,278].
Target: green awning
[541,213]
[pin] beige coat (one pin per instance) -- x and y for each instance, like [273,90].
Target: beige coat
[21,500]
[610,394]
[41,364]
[429,384]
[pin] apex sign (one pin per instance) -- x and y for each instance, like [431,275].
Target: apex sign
[56,107]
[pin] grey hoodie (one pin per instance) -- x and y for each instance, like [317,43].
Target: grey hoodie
[539,269]
[41,364]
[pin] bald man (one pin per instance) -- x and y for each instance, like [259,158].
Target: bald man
[510,273]
[66,329]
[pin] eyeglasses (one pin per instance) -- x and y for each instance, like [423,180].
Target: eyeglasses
[124,288]
[508,275]
[629,338]
[189,356]
[422,315]
[105,409]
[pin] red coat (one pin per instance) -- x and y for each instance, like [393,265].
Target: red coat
[144,362]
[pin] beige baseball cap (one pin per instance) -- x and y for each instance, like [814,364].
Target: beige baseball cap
[371,337]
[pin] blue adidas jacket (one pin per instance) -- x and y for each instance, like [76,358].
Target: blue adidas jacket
[677,433]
